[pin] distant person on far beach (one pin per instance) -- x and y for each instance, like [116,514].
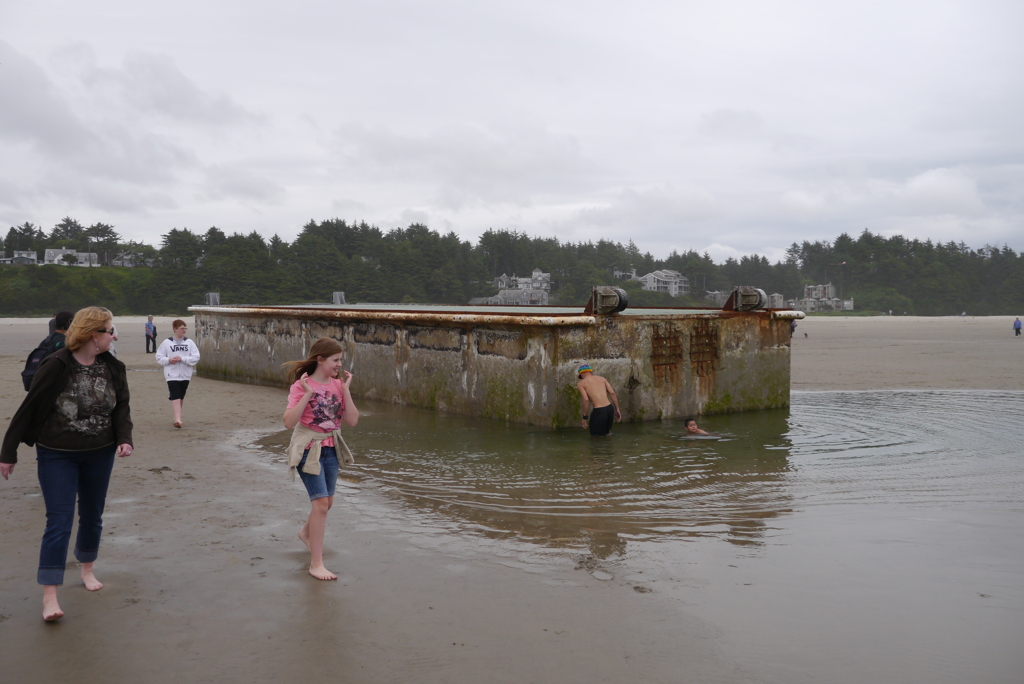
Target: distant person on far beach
[691,427]
[179,356]
[597,392]
[77,416]
[318,403]
[1016,327]
[113,338]
[150,335]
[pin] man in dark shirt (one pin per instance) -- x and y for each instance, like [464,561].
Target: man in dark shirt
[55,340]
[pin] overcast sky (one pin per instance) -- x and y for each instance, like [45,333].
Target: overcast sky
[728,127]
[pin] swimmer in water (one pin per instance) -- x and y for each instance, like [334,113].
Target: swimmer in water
[691,427]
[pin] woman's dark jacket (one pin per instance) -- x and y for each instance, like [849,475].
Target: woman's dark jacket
[50,380]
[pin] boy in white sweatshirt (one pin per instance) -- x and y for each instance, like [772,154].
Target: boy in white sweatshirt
[179,356]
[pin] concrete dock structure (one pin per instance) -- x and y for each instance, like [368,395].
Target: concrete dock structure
[516,363]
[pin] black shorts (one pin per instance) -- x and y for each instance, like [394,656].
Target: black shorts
[177,389]
[601,420]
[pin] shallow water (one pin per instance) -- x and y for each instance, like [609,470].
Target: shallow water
[647,481]
[871,536]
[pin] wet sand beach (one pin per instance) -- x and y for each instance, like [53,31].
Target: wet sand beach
[205,579]
[906,352]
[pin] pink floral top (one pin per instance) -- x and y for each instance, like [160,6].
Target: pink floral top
[323,412]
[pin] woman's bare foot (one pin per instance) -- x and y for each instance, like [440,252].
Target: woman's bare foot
[321,573]
[304,536]
[51,609]
[89,579]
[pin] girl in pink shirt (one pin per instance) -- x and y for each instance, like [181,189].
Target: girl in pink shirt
[321,402]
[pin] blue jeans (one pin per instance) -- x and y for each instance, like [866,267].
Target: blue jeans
[319,486]
[62,476]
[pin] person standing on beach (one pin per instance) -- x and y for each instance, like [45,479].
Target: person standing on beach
[179,356]
[77,416]
[1016,328]
[56,339]
[150,335]
[597,392]
[318,403]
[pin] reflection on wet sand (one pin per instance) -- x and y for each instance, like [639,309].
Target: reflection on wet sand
[565,489]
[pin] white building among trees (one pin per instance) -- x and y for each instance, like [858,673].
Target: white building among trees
[70,257]
[512,291]
[821,298]
[671,282]
[21,257]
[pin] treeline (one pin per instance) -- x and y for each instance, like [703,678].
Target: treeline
[419,265]
[99,238]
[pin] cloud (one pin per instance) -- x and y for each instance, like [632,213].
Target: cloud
[464,163]
[146,84]
[36,113]
[33,110]
[802,204]
[720,252]
[411,216]
[224,181]
[941,191]
[675,125]
[345,206]
[663,208]
[730,124]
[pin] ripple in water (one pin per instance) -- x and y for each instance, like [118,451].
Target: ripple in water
[650,482]
[941,447]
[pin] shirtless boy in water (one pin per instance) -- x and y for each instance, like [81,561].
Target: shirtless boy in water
[596,392]
[691,427]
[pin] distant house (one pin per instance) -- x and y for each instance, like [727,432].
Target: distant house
[538,280]
[21,257]
[131,259]
[718,297]
[624,275]
[56,256]
[513,298]
[670,282]
[821,298]
[519,298]
[776,301]
[513,291]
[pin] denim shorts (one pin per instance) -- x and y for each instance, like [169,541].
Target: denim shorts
[323,484]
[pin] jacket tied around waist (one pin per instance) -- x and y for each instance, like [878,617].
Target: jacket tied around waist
[301,436]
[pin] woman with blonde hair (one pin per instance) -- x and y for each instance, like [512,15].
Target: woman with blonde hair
[76,414]
[318,403]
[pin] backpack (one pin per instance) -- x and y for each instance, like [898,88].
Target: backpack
[51,344]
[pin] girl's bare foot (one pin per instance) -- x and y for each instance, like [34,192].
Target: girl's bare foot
[51,609]
[91,583]
[321,573]
[304,536]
